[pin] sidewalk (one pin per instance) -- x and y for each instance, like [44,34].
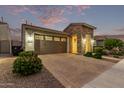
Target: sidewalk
[112,59]
[113,78]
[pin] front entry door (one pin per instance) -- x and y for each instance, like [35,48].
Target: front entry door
[74,43]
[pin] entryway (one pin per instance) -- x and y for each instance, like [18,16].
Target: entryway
[74,43]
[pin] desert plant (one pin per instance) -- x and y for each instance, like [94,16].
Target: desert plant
[113,43]
[27,63]
[117,52]
[88,54]
[115,56]
[97,55]
[106,52]
[98,50]
[27,54]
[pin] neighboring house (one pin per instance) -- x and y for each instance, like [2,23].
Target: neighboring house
[100,38]
[5,39]
[8,38]
[15,37]
[76,38]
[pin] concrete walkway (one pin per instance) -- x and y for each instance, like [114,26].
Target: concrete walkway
[112,59]
[74,70]
[113,78]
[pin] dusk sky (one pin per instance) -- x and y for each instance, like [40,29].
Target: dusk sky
[107,19]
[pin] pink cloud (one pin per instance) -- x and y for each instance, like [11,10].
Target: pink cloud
[50,21]
[55,15]
[15,10]
[52,16]
[48,15]
[81,8]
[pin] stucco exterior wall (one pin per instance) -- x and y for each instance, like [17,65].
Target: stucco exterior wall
[81,32]
[29,40]
[5,39]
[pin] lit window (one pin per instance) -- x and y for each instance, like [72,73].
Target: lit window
[36,37]
[48,38]
[39,37]
[56,39]
[63,39]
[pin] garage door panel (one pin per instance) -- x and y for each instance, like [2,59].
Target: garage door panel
[48,47]
[37,46]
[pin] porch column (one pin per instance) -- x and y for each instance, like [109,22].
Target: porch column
[88,45]
[68,44]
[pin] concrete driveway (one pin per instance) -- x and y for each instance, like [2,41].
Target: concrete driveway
[74,70]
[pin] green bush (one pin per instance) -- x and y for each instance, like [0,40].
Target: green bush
[88,54]
[116,56]
[98,50]
[115,52]
[97,55]
[27,54]
[113,43]
[106,52]
[27,63]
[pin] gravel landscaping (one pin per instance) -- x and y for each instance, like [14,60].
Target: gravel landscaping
[44,79]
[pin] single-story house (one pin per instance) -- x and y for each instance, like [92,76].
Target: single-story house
[100,38]
[76,38]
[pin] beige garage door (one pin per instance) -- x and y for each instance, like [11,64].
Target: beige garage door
[50,44]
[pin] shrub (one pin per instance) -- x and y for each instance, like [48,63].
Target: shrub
[116,52]
[16,50]
[27,63]
[27,54]
[106,52]
[113,43]
[88,54]
[116,56]
[97,55]
[98,50]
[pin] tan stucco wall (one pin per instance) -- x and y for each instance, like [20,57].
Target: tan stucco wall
[81,32]
[29,40]
[5,39]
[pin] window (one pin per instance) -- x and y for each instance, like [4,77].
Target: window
[63,39]
[49,38]
[39,37]
[56,39]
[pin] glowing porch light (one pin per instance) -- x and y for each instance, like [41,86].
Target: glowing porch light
[29,39]
[84,40]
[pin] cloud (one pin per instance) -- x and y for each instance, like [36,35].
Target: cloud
[120,29]
[53,16]
[78,8]
[50,21]
[82,8]
[48,15]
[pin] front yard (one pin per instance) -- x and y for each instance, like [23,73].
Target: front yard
[43,79]
[64,70]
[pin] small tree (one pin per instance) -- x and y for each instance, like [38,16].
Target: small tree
[113,43]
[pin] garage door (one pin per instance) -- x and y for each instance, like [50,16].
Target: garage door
[50,44]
